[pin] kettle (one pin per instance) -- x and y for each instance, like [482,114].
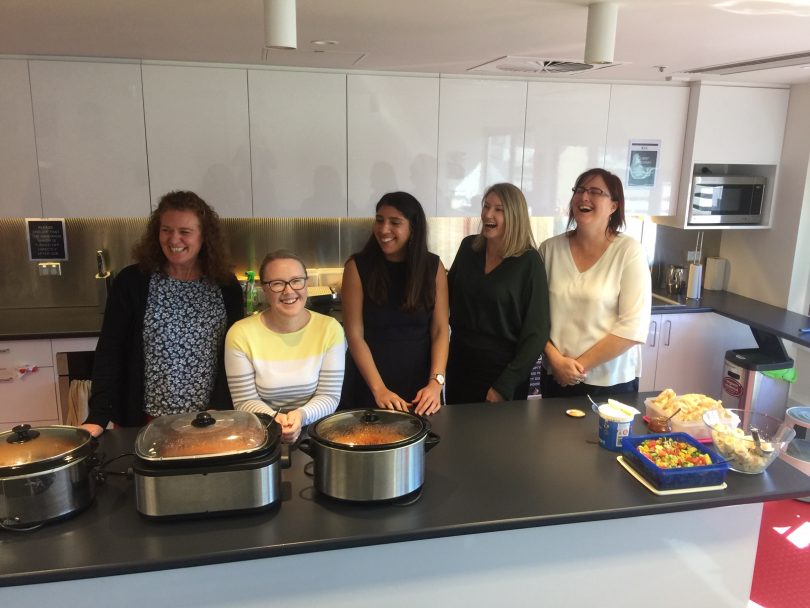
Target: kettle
[676,279]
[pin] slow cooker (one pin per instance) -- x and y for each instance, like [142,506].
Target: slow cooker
[205,463]
[369,455]
[45,474]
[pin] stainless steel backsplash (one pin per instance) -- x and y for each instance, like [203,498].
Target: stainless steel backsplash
[321,242]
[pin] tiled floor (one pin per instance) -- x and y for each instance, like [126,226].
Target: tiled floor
[782,567]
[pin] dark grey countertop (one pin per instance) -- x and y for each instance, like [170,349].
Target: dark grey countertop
[44,323]
[765,317]
[39,323]
[497,467]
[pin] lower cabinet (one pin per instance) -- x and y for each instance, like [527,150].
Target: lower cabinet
[29,381]
[27,387]
[686,351]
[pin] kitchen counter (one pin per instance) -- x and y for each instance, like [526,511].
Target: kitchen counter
[507,467]
[44,323]
[764,317]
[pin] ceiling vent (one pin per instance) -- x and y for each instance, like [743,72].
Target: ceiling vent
[755,65]
[538,67]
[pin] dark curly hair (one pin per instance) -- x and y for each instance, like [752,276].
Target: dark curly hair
[614,184]
[213,255]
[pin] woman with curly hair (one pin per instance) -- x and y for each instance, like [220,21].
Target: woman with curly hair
[161,344]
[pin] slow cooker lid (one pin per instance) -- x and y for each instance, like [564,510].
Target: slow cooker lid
[201,435]
[24,448]
[369,428]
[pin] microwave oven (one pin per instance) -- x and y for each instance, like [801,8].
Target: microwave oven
[726,199]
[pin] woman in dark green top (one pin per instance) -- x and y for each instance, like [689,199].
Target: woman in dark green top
[499,315]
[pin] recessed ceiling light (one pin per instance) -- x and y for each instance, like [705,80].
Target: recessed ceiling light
[325,42]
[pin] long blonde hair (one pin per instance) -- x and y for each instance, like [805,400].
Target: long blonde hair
[517,231]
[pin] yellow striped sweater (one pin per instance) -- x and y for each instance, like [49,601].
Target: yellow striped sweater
[303,369]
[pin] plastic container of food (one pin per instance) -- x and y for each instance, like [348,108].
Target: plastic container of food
[695,428]
[676,478]
[735,440]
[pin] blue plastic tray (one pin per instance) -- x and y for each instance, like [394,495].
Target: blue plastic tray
[672,479]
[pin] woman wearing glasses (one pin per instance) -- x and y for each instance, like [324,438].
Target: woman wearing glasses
[599,285]
[395,311]
[498,304]
[287,359]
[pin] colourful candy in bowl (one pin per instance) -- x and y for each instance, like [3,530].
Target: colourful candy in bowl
[751,444]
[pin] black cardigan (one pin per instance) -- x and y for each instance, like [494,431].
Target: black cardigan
[118,369]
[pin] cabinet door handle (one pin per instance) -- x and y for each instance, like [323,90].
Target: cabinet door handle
[5,350]
[7,379]
[668,329]
[653,332]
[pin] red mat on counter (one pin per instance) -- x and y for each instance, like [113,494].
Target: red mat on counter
[782,566]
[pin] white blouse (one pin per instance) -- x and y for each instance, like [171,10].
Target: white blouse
[612,297]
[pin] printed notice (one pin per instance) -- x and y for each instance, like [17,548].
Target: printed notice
[642,165]
[46,240]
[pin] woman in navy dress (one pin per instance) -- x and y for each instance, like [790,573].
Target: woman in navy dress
[395,313]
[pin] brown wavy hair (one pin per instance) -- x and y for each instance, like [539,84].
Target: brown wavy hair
[614,184]
[213,256]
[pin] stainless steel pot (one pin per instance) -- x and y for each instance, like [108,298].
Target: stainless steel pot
[204,463]
[45,474]
[369,455]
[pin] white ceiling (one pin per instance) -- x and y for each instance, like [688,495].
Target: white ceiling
[445,36]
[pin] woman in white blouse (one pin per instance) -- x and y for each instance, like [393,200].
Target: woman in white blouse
[600,295]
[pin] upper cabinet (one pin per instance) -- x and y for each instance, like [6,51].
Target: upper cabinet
[739,125]
[566,127]
[732,130]
[197,135]
[298,143]
[90,141]
[655,116]
[19,182]
[481,126]
[393,127]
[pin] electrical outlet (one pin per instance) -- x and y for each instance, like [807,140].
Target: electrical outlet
[692,256]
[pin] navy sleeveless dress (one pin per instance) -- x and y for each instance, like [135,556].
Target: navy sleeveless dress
[399,341]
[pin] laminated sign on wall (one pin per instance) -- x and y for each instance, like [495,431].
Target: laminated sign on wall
[642,165]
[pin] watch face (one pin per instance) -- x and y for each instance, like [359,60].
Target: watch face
[439,378]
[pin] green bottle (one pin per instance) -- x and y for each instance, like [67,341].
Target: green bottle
[250,293]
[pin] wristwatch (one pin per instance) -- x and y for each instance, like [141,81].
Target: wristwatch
[438,378]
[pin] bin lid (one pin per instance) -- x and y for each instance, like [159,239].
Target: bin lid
[757,360]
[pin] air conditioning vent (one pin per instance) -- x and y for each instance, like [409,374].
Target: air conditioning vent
[537,66]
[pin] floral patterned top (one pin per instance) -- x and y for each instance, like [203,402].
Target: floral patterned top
[183,332]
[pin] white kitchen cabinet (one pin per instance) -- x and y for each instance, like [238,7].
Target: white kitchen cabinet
[736,131]
[197,135]
[90,138]
[686,351]
[19,178]
[566,129]
[481,126]
[738,125]
[649,356]
[653,114]
[392,139]
[298,143]
[31,397]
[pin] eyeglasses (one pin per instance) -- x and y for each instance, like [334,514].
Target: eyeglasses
[592,192]
[277,285]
